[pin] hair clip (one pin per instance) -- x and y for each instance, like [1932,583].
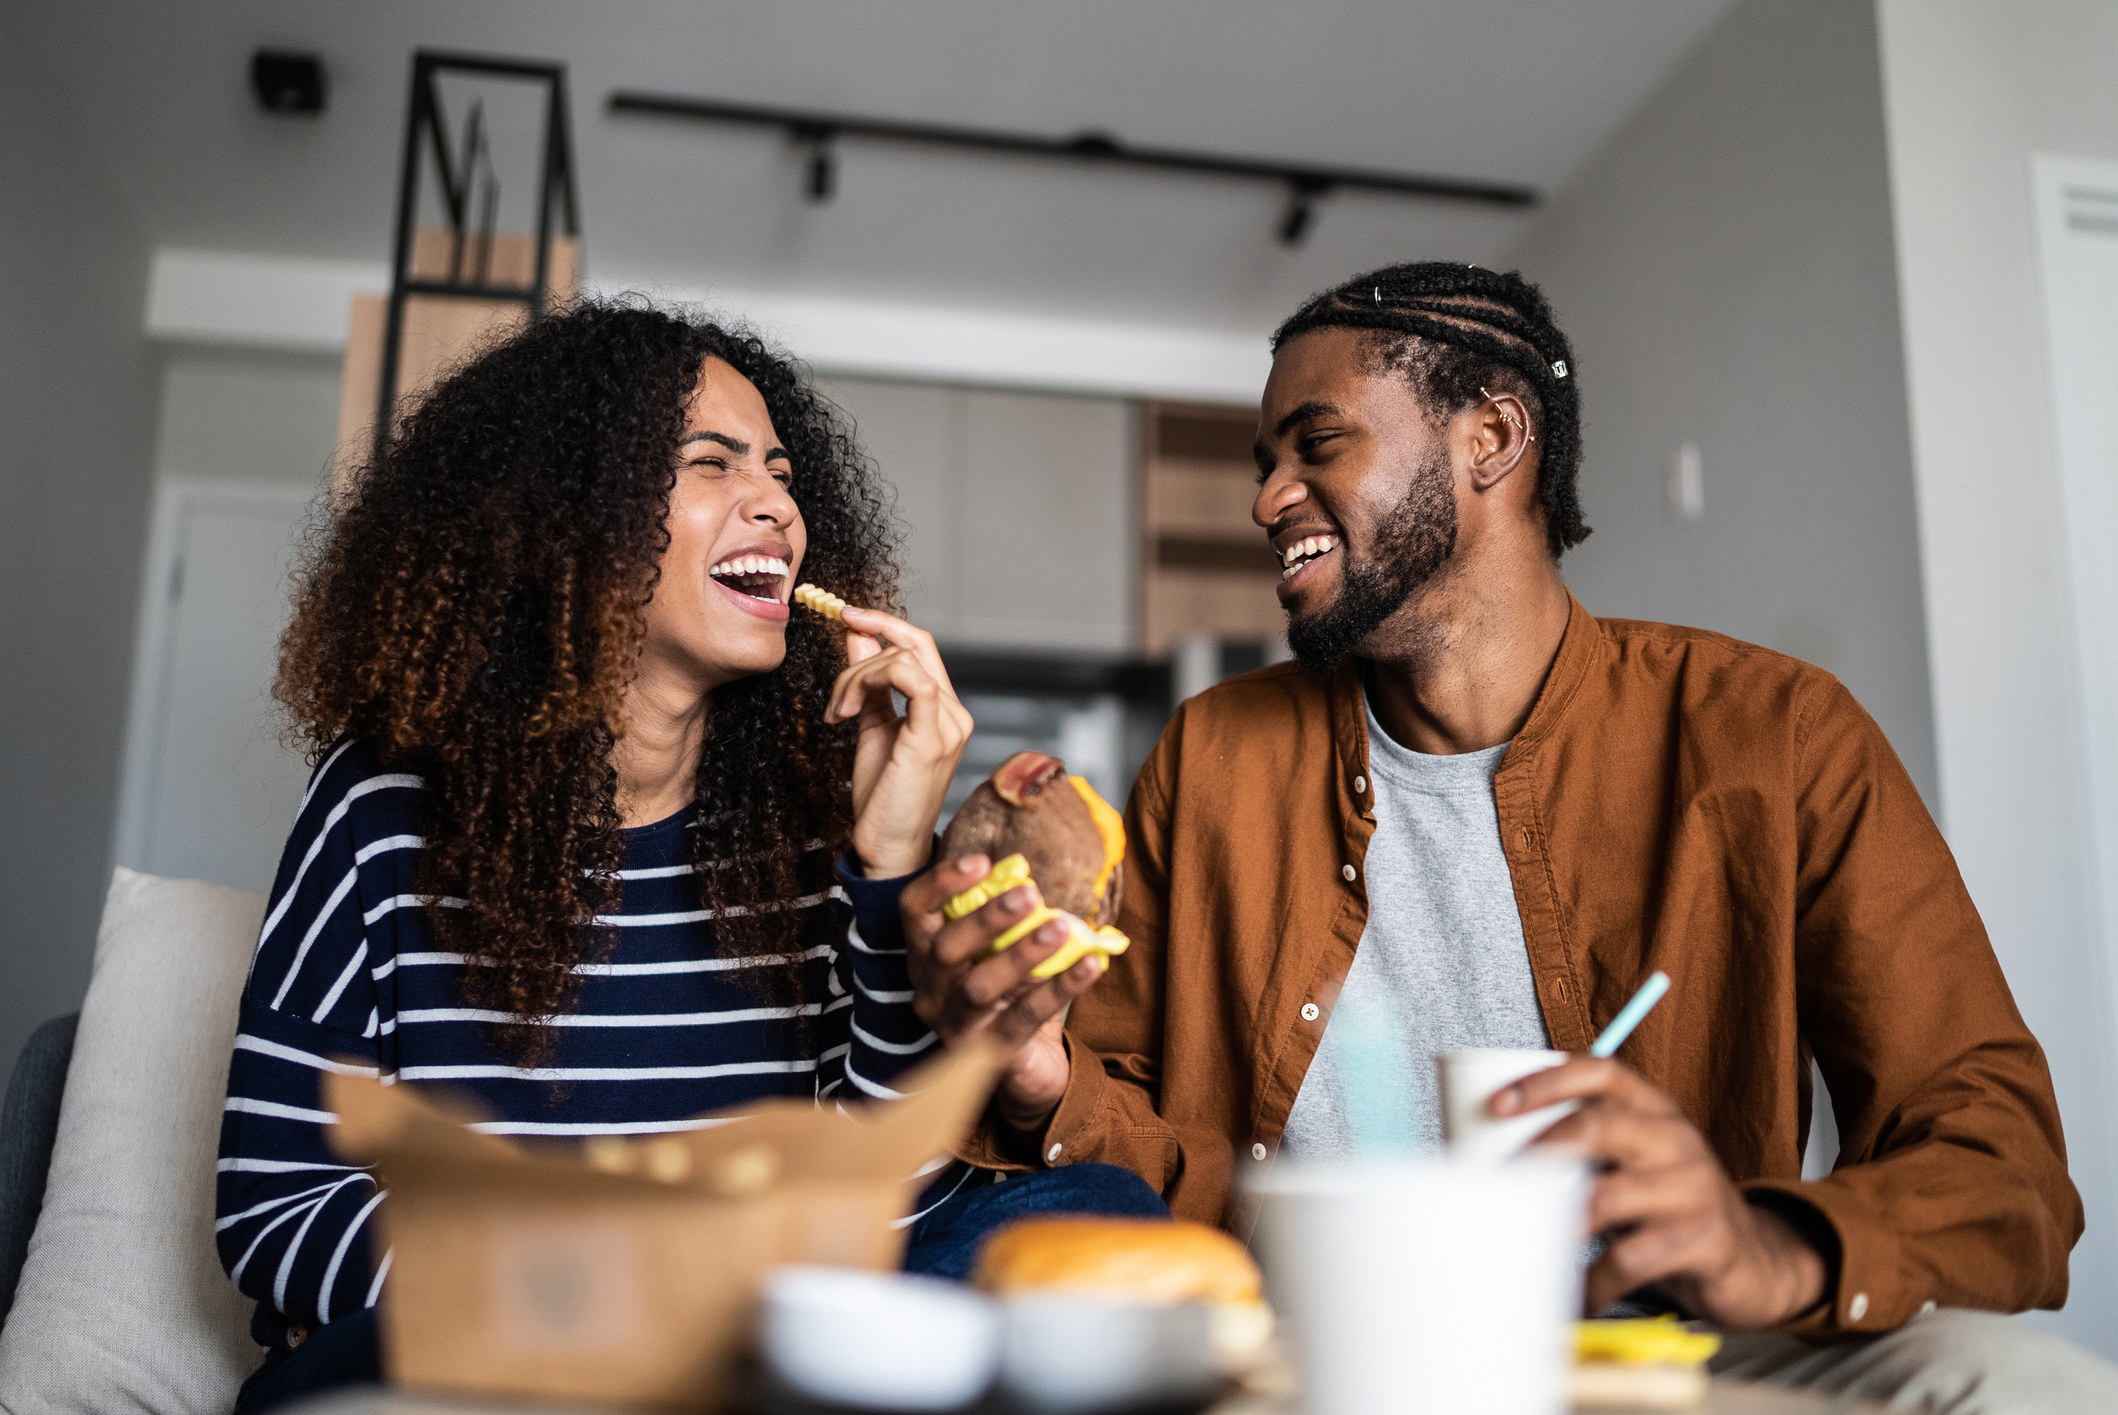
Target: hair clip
[1507,417]
[1559,369]
[1378,297]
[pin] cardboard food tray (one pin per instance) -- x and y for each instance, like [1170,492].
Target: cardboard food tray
[528,1271]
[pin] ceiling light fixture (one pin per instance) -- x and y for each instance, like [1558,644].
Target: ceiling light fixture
[1305,183]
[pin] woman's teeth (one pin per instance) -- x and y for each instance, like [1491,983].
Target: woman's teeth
[758,576]
[1295,556]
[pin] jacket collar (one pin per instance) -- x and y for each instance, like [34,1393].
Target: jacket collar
[1579,648]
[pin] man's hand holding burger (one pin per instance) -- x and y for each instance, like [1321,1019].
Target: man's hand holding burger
[962,989]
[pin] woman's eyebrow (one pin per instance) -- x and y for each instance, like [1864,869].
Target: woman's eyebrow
[733,444]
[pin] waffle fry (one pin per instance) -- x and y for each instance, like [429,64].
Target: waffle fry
[819,601]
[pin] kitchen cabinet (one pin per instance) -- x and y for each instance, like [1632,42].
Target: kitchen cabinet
[1017,511]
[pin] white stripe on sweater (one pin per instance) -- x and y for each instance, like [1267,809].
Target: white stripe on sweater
[893,1048]
[245,1165]
[382,1270]
[409,901]
[277,1202]
[591,1127]
[426,959]
[316,926]
[247,1106]
[294,1244]
[338,1255]
[282,1052]
[338,813]
[700,916]
[476,1072]
[338,989]
[873,1088]
[414,1015]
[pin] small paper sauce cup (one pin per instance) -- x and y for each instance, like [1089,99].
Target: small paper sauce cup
[1469,1080]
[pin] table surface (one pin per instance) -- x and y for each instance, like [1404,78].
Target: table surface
[1726,1398]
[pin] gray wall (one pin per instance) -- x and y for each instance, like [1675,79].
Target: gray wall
[1725,271]
[247,416]
[75,454]
[1974,89]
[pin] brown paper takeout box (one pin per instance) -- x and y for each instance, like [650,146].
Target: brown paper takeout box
[625,1272]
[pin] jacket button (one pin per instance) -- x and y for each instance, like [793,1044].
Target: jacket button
[1360,785]
[1051,1155]
[1858,1307]
[1309,1013]
[1257,1151]
[1348,872]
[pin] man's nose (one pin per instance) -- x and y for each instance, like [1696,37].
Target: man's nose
[1274,497]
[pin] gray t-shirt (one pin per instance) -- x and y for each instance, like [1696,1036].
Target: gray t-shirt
[1441,966]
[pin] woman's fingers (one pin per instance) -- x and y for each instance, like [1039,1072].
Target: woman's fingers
[864,687]
[900,633]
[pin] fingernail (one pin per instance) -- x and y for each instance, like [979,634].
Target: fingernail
[1016,900]
[1053,932]
[1095,965]
[972,864]
[1506,1100]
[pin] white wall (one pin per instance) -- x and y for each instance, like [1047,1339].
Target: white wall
[233,415]
[75,447]
[1972,90]
[1724,269]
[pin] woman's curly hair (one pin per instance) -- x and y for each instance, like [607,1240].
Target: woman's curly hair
[476,609]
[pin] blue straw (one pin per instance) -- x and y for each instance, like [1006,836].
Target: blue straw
[1629,1016]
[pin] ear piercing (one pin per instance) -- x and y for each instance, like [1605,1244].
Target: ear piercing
[1506,416]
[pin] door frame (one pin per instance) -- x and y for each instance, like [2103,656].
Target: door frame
[153,657]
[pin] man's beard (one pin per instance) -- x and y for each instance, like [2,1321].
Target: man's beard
[1412,542]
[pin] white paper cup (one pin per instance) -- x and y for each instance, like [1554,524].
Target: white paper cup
[878,1341]
[1469,1080]
[1434,1285]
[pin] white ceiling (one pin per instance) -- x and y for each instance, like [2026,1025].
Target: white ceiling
[1514,90]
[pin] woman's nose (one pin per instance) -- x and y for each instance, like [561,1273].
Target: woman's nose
[772,503]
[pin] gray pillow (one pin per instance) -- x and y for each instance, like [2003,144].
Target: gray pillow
[123,1305]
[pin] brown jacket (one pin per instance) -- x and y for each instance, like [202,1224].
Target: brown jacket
[1677,800]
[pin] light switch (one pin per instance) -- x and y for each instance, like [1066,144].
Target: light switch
[1687,484]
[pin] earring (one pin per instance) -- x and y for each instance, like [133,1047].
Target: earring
[1507,417]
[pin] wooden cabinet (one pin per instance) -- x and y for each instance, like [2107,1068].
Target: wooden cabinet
[1205,567]
[1017,508]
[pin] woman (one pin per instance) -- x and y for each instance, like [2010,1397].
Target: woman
[598,833]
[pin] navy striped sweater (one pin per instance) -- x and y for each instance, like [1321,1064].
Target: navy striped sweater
[347,975]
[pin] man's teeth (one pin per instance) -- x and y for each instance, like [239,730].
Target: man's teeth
[750,565]
[1295,556]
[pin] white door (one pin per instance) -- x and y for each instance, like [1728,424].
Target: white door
[2077,221]
[209,792]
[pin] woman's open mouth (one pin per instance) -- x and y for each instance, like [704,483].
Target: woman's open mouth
[755,582]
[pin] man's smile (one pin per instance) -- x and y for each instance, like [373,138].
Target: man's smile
[1300,556]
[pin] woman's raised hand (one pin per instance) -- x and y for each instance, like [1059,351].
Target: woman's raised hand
[903,765]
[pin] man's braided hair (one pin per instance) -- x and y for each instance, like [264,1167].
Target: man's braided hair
[1453,329]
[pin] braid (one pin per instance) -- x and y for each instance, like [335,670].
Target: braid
[1452,329]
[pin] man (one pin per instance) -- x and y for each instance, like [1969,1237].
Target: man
[1472,806]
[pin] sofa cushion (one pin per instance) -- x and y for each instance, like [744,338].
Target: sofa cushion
[122,1303]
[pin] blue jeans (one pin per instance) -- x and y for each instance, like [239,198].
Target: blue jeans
[944,1243]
